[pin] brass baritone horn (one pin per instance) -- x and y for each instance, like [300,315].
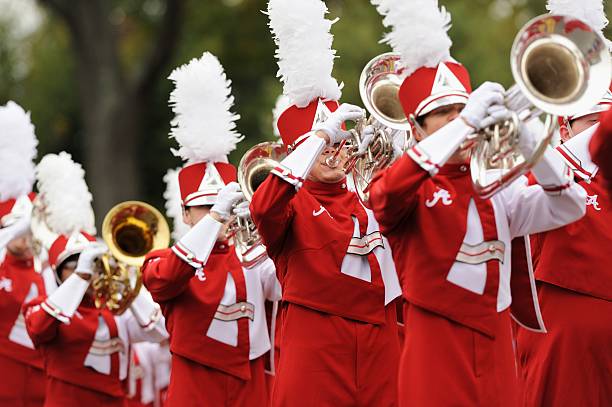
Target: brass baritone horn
[253,169]
[560,66]
[130,229]
[379,86]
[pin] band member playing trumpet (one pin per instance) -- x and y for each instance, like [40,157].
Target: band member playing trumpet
[452,248]
[600,148]
[214,306]
[21,366]
[86,349]
[574,288]
[339,343]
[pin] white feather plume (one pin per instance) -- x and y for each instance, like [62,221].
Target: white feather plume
[590,11]
[204,125]
[304,50]
[282,103]
[17,152]
[419,31]
[65,195]
[174,208]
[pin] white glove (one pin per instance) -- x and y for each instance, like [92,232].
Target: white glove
[333,125]
[530,134]
[367,137]
[495,114]
[477,108]
[226,199]
[87,258]
[18,228]
[242,210]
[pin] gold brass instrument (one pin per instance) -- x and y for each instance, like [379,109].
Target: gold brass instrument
[253,169]
[130,229]
[379,85]
[560,66]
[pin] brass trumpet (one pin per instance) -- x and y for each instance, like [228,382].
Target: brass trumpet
[253,169]
[560,66]
[130,229]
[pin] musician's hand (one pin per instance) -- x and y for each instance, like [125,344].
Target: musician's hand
[476,111]
[228,196]
[18,228]
[87,258]
[366,138]
[242,210]
[496,114]
[332,127]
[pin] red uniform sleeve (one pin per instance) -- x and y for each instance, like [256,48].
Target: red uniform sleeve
[41,326]
[165,275]
[601,146]
[393,192]
[272,211]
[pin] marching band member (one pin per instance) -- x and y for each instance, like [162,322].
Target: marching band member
[453,248]
[214,306]
[21,366]
[86,349]
[339,343]
[600,148]
[575,290]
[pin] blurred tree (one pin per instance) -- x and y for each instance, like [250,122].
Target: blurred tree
[113,95]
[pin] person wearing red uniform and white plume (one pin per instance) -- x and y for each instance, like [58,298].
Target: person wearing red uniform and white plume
[338,343]
[571,365]
[86,349]
[214,306]
[21,366]
[453,248]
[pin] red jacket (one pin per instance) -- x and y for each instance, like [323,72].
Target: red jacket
[189,302]
[601,147]
[19,284]
[428,221]
[576,256]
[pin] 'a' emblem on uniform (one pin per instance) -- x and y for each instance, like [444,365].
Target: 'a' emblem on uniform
[439,195]
[446,80]
[592,200]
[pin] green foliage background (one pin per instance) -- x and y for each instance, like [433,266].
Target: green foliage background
[39,71]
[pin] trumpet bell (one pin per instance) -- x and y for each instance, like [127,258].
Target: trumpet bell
[379,86]
[560,64]
[256,164]
[130,229]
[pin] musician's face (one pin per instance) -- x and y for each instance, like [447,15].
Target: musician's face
[21,247]
[438,118]
[323,172]
[578,126]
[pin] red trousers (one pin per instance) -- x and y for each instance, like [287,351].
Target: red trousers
[196,385]
[328,361]
[444,363]
[571,365]
[21,385]
[63,394]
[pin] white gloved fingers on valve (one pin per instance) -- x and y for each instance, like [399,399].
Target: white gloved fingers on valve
[367,137]
[242,210]
[496,114]
[227,197]
[87,258]
[479,102]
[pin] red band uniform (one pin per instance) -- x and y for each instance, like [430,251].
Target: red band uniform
[214,307]
[453,253]
[571,364]
[338,339]
[86,349]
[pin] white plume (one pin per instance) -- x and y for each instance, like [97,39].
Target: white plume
[304,50]
[64,193]
[204,125]
[174,208]
[419,31]
[17,152]
[282,103]
[590,11]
